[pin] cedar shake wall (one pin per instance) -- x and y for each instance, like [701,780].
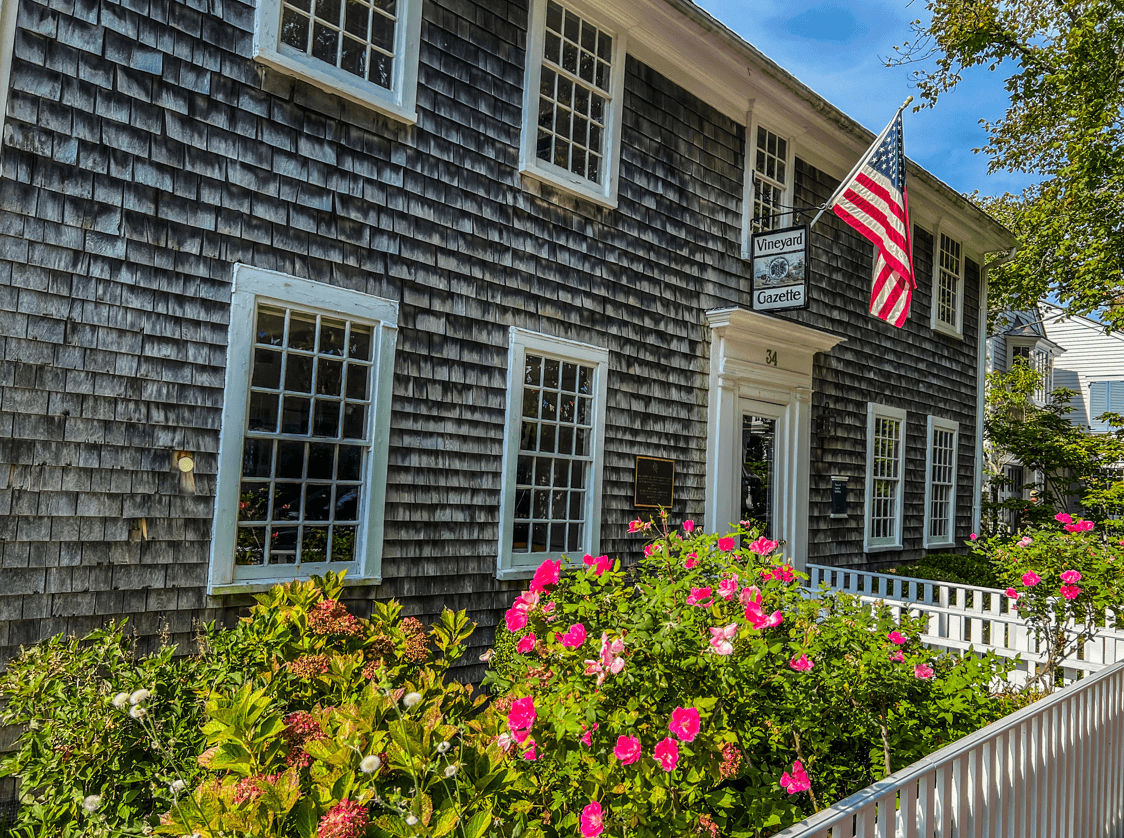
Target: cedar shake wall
[145,153]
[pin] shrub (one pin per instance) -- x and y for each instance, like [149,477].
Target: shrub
[712,695]
[970,569]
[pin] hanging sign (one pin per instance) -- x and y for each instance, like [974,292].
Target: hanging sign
[780,274]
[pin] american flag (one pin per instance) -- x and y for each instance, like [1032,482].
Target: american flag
[874,202]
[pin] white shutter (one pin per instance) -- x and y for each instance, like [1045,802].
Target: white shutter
[1098,404]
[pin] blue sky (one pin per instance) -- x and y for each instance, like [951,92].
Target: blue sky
[836,48]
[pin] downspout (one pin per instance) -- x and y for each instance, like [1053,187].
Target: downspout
[981,378]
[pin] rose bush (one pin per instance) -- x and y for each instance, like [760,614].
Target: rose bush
[1060,578]
[711,694]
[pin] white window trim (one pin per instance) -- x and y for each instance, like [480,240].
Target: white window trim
[605,193]
[749,189]
[399,102]
[521,341]
[252,285]
[875,410]
[938,325]
[936,423]
[1039,397]
[8,13]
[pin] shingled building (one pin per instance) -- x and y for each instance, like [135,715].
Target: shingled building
[405,287]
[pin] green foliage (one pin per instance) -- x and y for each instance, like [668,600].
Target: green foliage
[819,680]
[960,569]
[1063,69]
[1060,578]
[1043,440]
[75,743]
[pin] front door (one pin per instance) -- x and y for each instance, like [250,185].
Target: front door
[762,431]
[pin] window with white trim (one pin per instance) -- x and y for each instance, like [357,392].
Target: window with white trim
[885,467]
[1104,397]
[302,460]
[940,483]
[363,50]
[770,181]
[572,102]
[1038,359]
[551,497]
[8,9]
[948,287]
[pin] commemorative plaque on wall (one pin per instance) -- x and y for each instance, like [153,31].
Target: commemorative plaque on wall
[779,269]
[655,482]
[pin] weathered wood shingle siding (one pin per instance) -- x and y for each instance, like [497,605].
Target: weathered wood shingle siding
[145,154]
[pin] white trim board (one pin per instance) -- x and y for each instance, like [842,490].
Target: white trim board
[8,14]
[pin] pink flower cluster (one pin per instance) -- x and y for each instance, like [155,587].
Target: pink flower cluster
[922,671]
[802,664]
[599,565]
[520,719]
[797,781]
[1074,526]
[763,546]
[610,659]
[782,573]
[639,526]
[515,618]
[700,597]
[756,615]
[347,819]
[728,587]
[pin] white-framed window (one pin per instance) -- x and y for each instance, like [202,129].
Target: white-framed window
[940,482]
[572,100]
[554,442]
[305,432]
[8,9]
[363,50]
[885,468]
[948,286]
[1104,397]
[767,191]
[1038,359]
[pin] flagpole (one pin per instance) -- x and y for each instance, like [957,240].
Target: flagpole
[843,184]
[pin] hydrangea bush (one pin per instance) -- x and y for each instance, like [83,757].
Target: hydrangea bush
[1060,578]
[708,693]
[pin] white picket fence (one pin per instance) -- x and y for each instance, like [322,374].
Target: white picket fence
[966,616]
[1054,769]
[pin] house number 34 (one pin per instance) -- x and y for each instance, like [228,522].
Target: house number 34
[771,357]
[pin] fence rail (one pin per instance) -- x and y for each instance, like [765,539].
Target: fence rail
[966,616]
[1054,769]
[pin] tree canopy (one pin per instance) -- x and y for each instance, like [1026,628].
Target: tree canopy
[1064,66]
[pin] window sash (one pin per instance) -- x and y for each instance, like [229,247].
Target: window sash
[940,508]
[950,273]
[885,477]
[771,166]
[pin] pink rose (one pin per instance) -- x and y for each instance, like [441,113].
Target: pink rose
[973,536]
[720,639]
[801,664]
[635,526]
[1080,526]
[763,546]
[547,574]
[1030,578]
[728,587]
[692,560]
[1063,518]
[897,657]
[575,637]
[1071,576]
[898,637]
[526,644]
[797,781]
[726,544]
[922,671]
[598,565]
[1026,541]
[749,594]
[592,822]
[757,617]
[627,750]
[1070,591]
[515,619]
[700,597]
[587,737]
[688,526]
[522,714]
[529,754]
[667,754]
[1011,593]
[526,601]
[684,723]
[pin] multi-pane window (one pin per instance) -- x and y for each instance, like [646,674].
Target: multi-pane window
[307,436]
[941,485]
[885,464]
[555,421]
[355,35]
[302,456]
[1039,360]
[363,50]
[575,94]
[770,180]
[948,291]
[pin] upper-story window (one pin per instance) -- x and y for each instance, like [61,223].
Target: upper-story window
[572,101]
[1038,359]
[948,287]
[767,194]
[302,455]
[363,50]
[885,469]
[553,456]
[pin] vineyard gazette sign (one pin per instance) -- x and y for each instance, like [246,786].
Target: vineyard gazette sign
[780,276]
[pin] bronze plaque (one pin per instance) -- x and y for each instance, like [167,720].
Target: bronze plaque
[655,482]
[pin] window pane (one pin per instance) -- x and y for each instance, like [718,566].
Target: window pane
[367,50]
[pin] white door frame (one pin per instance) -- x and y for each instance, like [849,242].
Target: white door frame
[765,359]
[778,413]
